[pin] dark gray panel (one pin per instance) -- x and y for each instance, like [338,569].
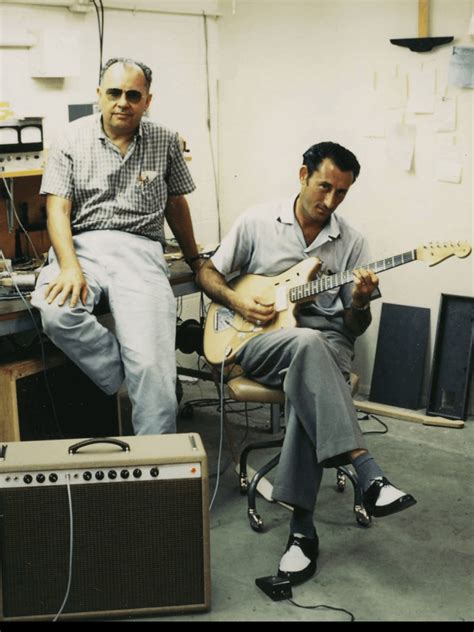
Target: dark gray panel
[399,364]
[452,359]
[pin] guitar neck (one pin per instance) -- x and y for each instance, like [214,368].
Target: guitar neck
[310,289]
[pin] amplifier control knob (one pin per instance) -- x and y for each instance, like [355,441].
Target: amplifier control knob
[53,478]
[99,475]
[27,479]
[137,473]
[40,478]
[124,473]
[87,476]
[112,474]
[154,472]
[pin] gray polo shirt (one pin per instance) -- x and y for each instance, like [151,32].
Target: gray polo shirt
[112,192]
[268,240]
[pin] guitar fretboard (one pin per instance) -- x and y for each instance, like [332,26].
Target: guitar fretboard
[307,290]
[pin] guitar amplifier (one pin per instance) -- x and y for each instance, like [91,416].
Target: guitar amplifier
[104,527]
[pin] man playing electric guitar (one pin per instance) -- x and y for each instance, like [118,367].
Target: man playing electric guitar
[311,362]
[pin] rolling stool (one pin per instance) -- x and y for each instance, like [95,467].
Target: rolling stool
[243,389]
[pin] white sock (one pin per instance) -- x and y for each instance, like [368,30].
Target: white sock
[294,559]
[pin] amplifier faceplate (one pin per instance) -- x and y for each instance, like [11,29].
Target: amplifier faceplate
[45,478]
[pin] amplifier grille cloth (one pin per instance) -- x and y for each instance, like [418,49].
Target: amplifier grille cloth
[136,545]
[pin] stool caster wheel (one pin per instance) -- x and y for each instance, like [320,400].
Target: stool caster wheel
[362,516]
[340,482]
[255,521]
[243,484]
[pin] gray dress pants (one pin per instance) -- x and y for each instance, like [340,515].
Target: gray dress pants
[130,271]
[321,422]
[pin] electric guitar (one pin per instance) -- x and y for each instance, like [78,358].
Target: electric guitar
[226,331]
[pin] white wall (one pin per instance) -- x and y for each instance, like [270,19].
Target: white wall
[295,73]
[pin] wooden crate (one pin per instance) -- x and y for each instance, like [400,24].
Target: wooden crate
[52,402]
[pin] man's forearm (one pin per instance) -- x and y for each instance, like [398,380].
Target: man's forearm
[70,281]
[357,320]
[60,233]
[179,220]
[214,285]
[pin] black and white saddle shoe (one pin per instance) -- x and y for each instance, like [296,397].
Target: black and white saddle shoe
[298,562]
[382,499]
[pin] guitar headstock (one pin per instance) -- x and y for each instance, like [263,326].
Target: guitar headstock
[435,252]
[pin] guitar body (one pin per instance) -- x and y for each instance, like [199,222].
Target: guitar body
[226,332]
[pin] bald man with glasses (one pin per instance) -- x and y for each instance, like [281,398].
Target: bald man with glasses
[110,182]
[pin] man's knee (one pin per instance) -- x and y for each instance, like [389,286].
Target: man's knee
[308,339]
[56,318]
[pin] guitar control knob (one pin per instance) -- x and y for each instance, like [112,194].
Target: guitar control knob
[53,478]
[112,474]
[40,478]
[124,473]
[154,472]
[87,476]
[99,475]
[27,479]
[137,473]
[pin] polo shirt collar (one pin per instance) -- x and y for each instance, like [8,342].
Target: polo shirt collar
[332,230]
[287,216]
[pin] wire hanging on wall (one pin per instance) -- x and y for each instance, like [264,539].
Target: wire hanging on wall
[100,24]
[208,124]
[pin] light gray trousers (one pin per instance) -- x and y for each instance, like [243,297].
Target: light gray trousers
[131,273]
[321,422]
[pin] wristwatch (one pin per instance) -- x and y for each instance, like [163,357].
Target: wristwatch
[191,260]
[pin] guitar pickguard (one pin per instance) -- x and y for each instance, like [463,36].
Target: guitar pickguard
[281,298]
[223,318]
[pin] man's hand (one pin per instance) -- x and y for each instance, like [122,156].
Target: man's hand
[71,281]
[365,282]
[256,310]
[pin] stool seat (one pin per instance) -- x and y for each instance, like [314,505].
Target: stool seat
[243,389]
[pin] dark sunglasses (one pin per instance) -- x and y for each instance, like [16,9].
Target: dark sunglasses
[132,96]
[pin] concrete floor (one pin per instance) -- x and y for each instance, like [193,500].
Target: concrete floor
[413,566]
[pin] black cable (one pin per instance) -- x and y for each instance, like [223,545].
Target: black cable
[100,25]
[208,123]
[102,12]
[204,402]
[202,308]
[12,202]
[322,605]
[101,33]
[376,419]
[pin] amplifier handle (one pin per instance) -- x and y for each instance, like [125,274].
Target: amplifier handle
[77,446]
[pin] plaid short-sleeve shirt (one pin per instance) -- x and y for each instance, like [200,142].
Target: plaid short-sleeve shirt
[115,192]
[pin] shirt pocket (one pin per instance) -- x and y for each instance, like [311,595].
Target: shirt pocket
[151,195]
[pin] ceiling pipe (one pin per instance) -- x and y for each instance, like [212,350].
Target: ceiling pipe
[83,6]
